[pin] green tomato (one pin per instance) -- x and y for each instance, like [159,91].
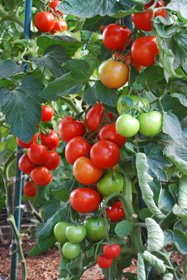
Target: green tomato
[75,234]
[60,232]
[110,183]
[95,229]
[127,126]
[71,251]
[150,123]
[127,102]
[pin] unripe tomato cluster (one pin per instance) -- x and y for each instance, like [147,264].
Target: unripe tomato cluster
[41,157]
[50,21]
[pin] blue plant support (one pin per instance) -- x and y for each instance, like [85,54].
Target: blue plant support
[18,184]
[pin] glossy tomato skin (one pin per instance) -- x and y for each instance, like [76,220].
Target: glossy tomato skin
[143,20]
[25,165]
[70,128]
[108,132]
[113,74]
[105,154]
[111,250]
[47,113]
[50,140]
[111,182]
[59,26]
[115,37]
[60,232]
[75,148]
[75,234]
[84,200]
[38,153]
[104,262]
[127,126]
[26,145]
[53,6]
[44,21]
[86,172]
[95,117]
[71,251]
[144,49]
[150,123]
[52,161]
[95,229]
[115,214]
[41,176]
[30,189]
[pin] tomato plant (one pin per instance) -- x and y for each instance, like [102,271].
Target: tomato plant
[37,153]
[50,140]
[150,123]
[44,21]
[110,183]
[127,126]
[29,189]
[71,251]
[75,234]
[60,232]
[111,251]
[47,113]
[95,229]
[104,262]
[69,128]
[41,176]
[108,132]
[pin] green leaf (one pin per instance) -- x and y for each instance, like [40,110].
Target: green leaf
[177,154]
[156,162]
[22,108]
[90,95]
[178,6]
[180,212]
[180,241]
[144,180]
[154,261]
[172,127]
[9,68]
[181,97]
[94,23]
[123,228]
[166,201]
[182,195]
[141,275]
[155,241]
[168,276]
[35,251]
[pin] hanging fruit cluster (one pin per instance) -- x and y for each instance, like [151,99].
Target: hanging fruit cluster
[51,21]
[41,156]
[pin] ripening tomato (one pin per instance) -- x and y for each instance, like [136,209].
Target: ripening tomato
[105,154]
[75,148]
[108,132]
[113,74]
[111,182]
[111,250]
[25,165]
[44,21]
[84,200]
[69,128]
[60,25]
[26,145]
[150,123]
[86,172]
[104,262]
[53,6]
[50,139]
[144,20]
[30,189]
[47,113]
[144,49]
[116,37]
[96,116]
[38,153]
[52,161]
[127,126]
[41,176]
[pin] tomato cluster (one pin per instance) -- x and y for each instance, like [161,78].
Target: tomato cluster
[41,157]
[110,252]
[50,21]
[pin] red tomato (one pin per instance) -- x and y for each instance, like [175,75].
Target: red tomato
[69,128]
[53,160]
[60,25]
[105,154]
[111,251]
[50,140]
[95,116]
[53,6]
[84,200]
[115,213]
[25,165]
[30,189]
[104,262]
[38,153]
[26,145]
[41,176]
[115,37]
[108,132]
[128,60]
[44,21]
[86,172]
[144,49]
[75,148]
[47,113]
[144,20]
[102,28]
